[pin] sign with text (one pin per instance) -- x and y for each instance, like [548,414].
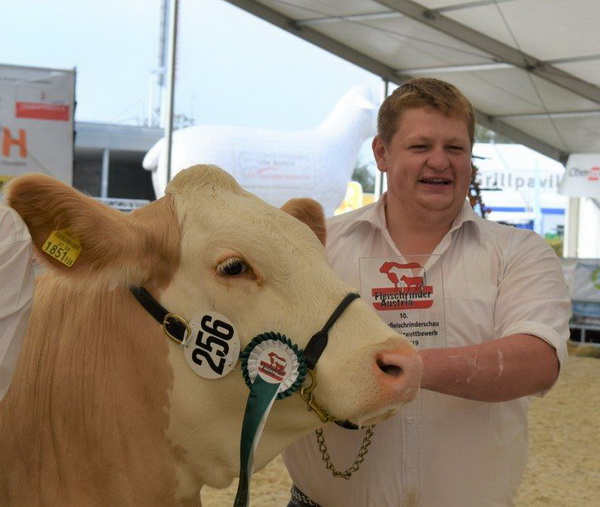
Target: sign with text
[36,122]
[408,294]
[582,177]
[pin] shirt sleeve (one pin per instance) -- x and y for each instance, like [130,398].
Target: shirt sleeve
[16,296]
[533,297]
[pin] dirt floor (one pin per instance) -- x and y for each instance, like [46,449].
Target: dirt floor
[564,463]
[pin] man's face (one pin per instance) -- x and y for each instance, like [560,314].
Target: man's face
[427,162]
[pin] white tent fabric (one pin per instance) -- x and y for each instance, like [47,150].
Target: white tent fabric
[530,67]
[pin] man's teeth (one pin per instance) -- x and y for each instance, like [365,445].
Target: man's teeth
[439,181]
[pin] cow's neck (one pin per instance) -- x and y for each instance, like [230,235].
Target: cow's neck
[106,430]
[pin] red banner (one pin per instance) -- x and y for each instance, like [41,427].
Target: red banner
[41,111]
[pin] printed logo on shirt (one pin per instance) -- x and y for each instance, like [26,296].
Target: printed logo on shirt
[408,291]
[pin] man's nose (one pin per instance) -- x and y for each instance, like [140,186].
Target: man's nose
[438,159]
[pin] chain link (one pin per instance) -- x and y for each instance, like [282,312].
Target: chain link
[298,495]
[360,457]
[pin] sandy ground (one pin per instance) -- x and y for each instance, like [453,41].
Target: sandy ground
[564,463]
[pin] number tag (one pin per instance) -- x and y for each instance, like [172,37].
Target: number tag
[63,246]
[213,347]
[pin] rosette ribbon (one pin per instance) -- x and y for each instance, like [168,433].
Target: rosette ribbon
[274,368]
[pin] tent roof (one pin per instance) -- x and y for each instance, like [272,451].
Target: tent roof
[531,68]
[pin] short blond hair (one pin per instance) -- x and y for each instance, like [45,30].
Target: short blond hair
[424,93]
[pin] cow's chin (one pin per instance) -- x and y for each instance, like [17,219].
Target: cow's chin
[376,416]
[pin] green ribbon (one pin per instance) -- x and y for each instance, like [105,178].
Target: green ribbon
[261,398]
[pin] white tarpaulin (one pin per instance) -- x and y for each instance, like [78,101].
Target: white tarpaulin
[582,177]
[36,122]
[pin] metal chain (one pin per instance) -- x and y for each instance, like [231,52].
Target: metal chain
[360,457]
[298,495]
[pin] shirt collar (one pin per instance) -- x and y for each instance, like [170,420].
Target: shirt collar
[466,214]
[374,215]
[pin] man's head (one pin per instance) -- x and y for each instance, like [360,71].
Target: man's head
[426,93]
[426,130]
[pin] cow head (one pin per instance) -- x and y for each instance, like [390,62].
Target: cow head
[209,246]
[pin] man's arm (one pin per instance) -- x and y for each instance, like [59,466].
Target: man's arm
[498,370]
[16,291]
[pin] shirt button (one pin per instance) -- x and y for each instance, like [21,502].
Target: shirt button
[410,419]
[412,470]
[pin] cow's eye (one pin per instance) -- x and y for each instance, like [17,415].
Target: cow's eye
[232,267]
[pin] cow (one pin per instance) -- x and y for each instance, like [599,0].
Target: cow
[392,269]
[412,282]
[104,409]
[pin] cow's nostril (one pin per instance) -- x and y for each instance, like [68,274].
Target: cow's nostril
[389,369]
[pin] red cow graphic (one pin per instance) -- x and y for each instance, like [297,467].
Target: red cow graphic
[413,282]
[387,267]
[277,362]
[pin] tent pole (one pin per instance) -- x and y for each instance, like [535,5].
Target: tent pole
[173,11]
[571,237]
[380,185]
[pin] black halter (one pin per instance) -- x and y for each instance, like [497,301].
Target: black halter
[176,328]
[172,324]
[318,342]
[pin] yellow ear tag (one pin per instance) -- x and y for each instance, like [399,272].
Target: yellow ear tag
[63,246]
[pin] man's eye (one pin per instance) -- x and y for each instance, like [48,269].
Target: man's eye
[232,267]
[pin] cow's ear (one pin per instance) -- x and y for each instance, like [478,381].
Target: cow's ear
[310,212]
[115,248]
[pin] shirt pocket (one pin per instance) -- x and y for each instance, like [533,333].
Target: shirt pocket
[469,313]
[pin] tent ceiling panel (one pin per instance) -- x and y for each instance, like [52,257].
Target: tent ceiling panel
[530,67]
[587,70]
[535,26]
[404,43]
[580,134]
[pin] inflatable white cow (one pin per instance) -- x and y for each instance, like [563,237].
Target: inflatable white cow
[278,165]
[109,404]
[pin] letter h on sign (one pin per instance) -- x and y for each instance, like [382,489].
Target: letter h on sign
[9,141]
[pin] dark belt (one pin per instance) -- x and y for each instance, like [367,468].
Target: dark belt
[299,499]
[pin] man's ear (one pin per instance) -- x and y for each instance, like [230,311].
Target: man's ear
[310,212]
[380,153]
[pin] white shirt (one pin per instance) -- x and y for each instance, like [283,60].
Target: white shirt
[439,450]
[16,290]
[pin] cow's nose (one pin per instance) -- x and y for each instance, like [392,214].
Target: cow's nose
[401,369]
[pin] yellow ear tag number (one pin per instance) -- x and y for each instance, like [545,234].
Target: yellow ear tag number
[63,246]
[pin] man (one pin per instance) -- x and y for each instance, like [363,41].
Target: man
[463,441]
[16,290]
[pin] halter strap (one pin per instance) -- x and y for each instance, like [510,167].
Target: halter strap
[177,330]
[318,342]
[172,324]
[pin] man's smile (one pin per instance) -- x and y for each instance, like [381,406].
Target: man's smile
[435,181]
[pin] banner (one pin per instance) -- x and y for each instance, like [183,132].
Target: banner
[582,177]
[36,122]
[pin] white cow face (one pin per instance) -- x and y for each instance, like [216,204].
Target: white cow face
[265,270]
